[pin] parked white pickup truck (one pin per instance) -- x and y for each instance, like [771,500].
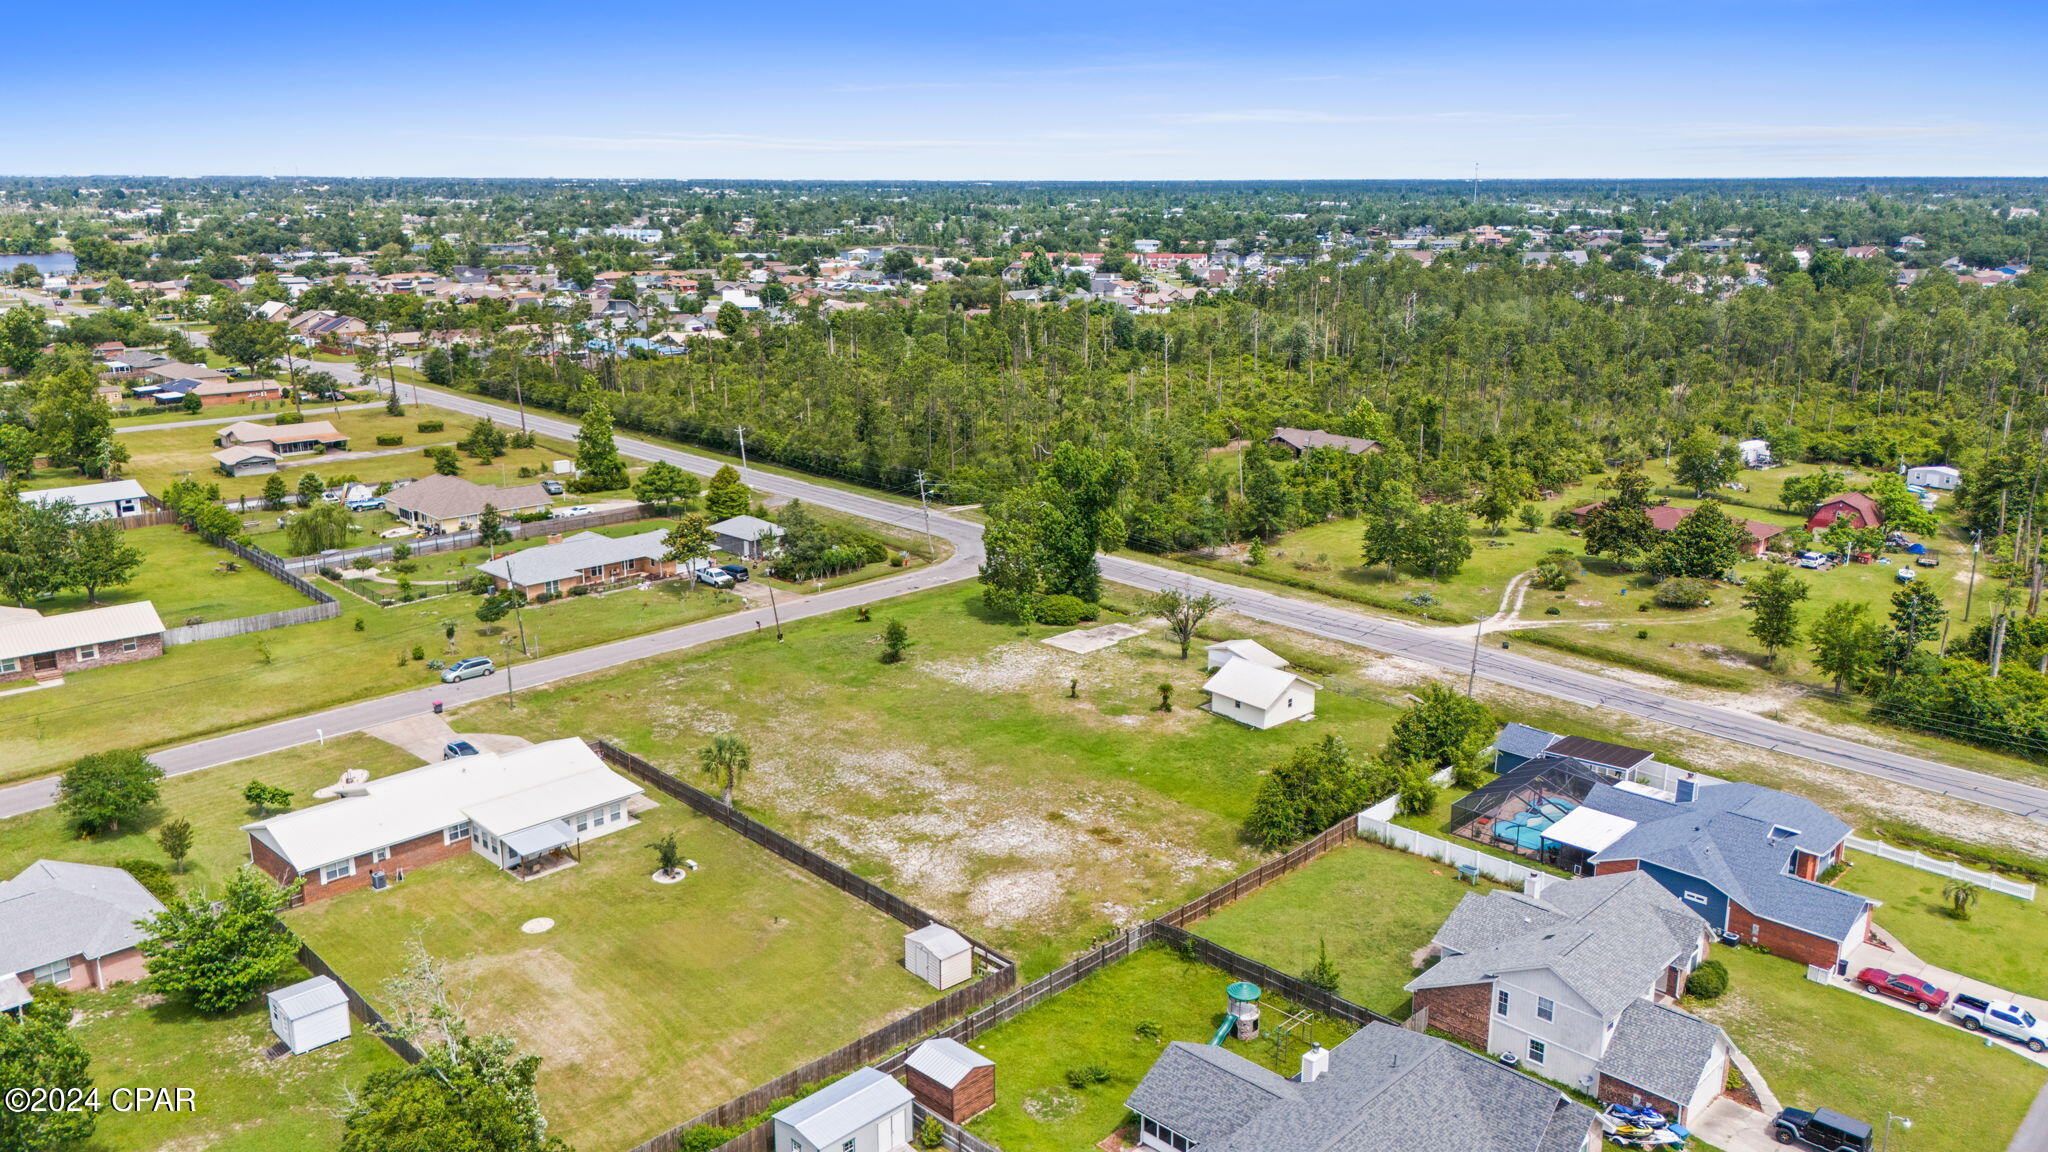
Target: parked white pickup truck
[2001,1019]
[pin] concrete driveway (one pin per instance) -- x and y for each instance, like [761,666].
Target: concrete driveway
[426,734]
[1896,958]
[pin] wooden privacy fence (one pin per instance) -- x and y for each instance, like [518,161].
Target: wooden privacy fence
[323,606]
[1338,833]
[358,1007]
[1939,867]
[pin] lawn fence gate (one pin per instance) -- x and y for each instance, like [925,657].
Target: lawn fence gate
[323,607]
[995,998]
[1939,867]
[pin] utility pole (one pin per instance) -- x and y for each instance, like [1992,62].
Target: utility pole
[742,430]
[518,391]
[1970,589]
[775,612]
[1472,677]
[926,505]
[518,601]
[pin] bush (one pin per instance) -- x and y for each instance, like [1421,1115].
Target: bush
[57,998]
[429,426]
[1087,1075]
[1553,610]
[1064,611]
[579,590]
[154,878]
[1709,981]
[544,598]
[390,441]
[330,573]
[419,652]
[1684,592]
[704,1137]
[290,418]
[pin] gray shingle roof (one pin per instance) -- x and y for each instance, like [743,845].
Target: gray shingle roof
[574,554]
[1524,741]
[1724,837]
[55,910]
[1609,938]
[1387,1090]
[1205,1093]
[1661,1050]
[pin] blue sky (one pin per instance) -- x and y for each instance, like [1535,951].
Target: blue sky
[1059,89]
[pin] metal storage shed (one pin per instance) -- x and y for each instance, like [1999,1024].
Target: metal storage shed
[309,1014]
[939,955]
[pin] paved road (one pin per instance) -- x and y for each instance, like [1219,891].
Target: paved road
[1422,644]
[217,421]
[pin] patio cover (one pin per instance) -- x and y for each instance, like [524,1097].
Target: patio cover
[540,838]
[1582,827]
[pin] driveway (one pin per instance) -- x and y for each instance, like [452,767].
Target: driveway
[426,734]
[1897,958]
[1733,1128]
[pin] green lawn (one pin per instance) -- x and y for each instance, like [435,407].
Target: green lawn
[1096,1022]
[144,416]
[211,800]
[648,1003]
[1820,1046]
[966,778]
[243,1102]
[181,574]
[1391,904]
[2003,942]
[197,689]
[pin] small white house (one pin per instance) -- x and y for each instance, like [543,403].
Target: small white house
[1940,477]
[1261,697]
[866,1111]
[309,1014]
[114,498]
[939,956]
[1223,653]
[1754,453]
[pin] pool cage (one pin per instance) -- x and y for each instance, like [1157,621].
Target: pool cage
[1512,812]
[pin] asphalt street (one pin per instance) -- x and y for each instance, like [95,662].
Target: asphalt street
[1456,653]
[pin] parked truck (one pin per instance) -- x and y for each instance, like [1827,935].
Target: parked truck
[2000,1019]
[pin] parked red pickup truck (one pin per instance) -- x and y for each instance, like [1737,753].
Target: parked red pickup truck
[1912,989]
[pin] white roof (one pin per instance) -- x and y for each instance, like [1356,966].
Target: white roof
[1254,684]
[939,940]
[746,528]
[1250,650]
[1944,469]
[945,1060]
[307,997]
[1582,827]
[827,1117]
[504,792]
[84,494]
[26,636]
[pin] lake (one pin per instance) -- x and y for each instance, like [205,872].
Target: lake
[55,264]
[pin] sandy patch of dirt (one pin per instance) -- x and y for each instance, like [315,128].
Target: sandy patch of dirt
[567,1034]
[1401,672]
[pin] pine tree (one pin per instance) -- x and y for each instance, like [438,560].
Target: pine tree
[599,468]
[1323,973]
[727,496]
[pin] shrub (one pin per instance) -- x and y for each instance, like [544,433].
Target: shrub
[419,652]
[1684,592]
[1709,981]
[704,1137]
[544,598]
[930,1134]
[1063,611]
[55,997]
[579,590]
[290,418]
[154,878]
[1642,607]
[1553,610]
[330,573]
[1087,1075]
[390,441]
[429,426]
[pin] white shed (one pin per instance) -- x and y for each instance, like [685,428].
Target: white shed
[939,955]
[1937,476]
[866,1111]
[310,1013]
[1754,453]
[1224,652]
[1259,696]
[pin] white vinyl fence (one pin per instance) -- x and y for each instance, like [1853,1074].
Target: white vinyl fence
[1948,868]
[1377,823]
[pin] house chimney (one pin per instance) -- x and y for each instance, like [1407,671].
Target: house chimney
[1533,885]
[1314,1063]
[554,537]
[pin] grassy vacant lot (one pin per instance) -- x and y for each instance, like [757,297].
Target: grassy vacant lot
[1096,1022]
[2002,942]
[197,689]
[1823,1047]
[647,1002]
[966,778]
[211,800]
[245,1103]
[160,456]
[1375,908]
[181,574]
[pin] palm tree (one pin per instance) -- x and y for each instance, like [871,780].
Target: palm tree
[1961,896]
[726,758]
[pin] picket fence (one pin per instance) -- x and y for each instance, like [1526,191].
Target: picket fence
[1948,868]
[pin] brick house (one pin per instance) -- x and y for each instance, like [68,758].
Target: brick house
[519,810]
[72,925]
[213,392]
[34,646]
[585,560]
[452,504]
[1574,980]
